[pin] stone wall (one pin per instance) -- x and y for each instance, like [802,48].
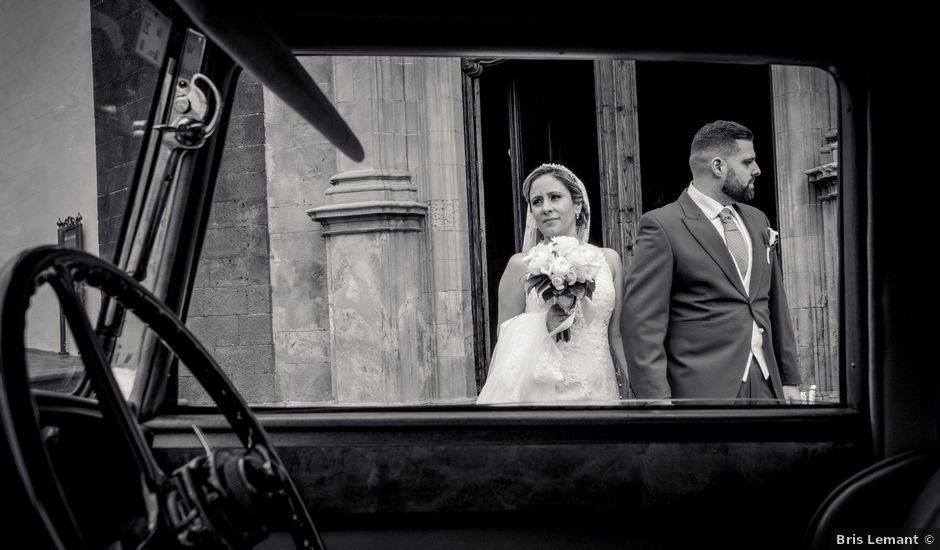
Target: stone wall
[300,162]
[230,309]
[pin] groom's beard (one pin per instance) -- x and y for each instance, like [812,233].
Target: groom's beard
[734,188]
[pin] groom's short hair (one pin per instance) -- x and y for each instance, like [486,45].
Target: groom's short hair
[719,137]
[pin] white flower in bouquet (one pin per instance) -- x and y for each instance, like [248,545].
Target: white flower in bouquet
[559,270]
[577,258]
[586,263]
[564,245]
[539,260]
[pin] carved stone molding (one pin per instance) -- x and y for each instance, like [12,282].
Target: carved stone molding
[826,176]
[826,179]
[370,201]
[369,184]
[370,217]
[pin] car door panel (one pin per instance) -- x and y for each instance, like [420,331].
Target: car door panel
[638,476]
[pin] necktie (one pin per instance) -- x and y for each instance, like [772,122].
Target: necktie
[734,239]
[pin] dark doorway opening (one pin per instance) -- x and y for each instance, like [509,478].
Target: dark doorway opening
[673,106]
[531,112]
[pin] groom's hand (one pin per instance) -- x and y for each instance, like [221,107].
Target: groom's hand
[556,315]
[792,394]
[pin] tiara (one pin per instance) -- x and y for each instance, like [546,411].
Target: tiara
[567,171]
[560,167]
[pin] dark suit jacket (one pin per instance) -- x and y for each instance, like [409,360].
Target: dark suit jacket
[686,317]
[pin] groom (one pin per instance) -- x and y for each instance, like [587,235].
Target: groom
[704,313]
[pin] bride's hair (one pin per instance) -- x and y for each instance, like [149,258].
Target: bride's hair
[578,196]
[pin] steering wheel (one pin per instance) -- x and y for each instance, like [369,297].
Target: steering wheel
[213,501]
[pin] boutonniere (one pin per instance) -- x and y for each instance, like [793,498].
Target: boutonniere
[772,238]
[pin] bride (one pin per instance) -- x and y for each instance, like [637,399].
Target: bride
[528,365]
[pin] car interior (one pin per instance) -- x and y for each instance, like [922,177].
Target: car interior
[165,446]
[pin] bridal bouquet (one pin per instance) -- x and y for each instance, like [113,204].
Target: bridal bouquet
[562,271]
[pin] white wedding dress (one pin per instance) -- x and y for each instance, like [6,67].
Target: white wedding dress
[529,366]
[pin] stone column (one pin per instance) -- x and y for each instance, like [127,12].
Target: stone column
[805,111]
[374,228]
[434,113]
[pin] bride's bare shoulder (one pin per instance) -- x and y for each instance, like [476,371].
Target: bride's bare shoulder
[517,258]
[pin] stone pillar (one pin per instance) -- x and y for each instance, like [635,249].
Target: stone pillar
[434,119]
[374,233]
[805,111]
[374,228]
